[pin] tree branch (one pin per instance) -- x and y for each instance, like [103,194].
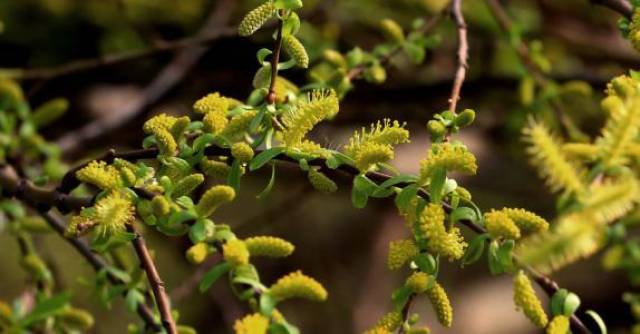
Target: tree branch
[623,7]
[156,283]
[462,54]
[275,59]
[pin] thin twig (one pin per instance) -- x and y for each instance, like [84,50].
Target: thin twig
[275,59]
[462,54]
[405,311]
[623,7]
[156,283]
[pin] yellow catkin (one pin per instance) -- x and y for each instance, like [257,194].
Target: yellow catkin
[235,252]
[215,122]
[634,29]
[389,322]
[187,184]
[161,206]
[449,156]
[400,252]
[298,285]
[113,213]
[375,145]
[418,282]
[440,302]
[197,253]
[559,325]
[238,125]
[242,151]
[269,246]
[392,30]
[256,18]
[527,222]
[319,105]
[500,226]
[214,197]
[526,300]
[296,50]
[215,169]
[252,324]
[212,103]
[178,128]
[321,182]
[449,244]
[76,318]
[100,175]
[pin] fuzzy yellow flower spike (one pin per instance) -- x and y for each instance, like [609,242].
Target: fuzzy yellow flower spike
[242,151]
[269,246]
[320,105]
[501,226]
[252,324]
[321,182]
[298,285]
[256,18]
[295,50]
[418,282]
[187,184]
[526,300]
[527,222]
[100,175]
[197,253]
[160,127]
[373,146]
[441,304]
[449,244]
[449,156]
[559,325]
[388,323]
[214,197]
[113,213]
[400,252]
[235,252]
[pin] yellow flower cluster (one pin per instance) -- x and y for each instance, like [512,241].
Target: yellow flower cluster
[321,182]
[431,224]
[100,175]
[373,146]
[387,324]
[160,126]
[500,226]
[269,246]
[295,50]
[418,282]
[441,304]
[298,285]
[235,252]
[214,197]
[252,324]
[526,300]
[112,214]
[187,184]
[256,18]
[449,156]
[215,169]
[242,151]
[197,253]
[559,325]
[238,125]
[527,222]
[400,252]
[320,105]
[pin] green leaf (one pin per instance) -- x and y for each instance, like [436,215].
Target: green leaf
[436,186]
[400,297]
[269,186]
[46,308]
[415,52]
[402,178]
[403,199]
[264,157]
[571,304]
[291,25]
[556,304]
[475,249]
[234,175]
[596,317]
[338,158]
[463,213]
[495,267]
[202,230]
[133,298]
[359,198]
[426,263]
[267,303]
[212,275]
[504,255]
[256,121]
[202,141]
[262,54]
[364,184]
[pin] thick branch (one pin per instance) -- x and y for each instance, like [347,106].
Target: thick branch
[156,283]
[462,54]
[275,59]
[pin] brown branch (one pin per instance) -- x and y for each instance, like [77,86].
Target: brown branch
[405,311]
[462,54]
[275,59]
[107,60]
[156,283]
[623,7]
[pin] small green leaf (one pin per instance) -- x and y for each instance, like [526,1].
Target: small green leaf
[202,230]
[262,54]
[463,213]
[475,249]
[364,184]
[557,302]
[359,198]
[400,297]
[291,25]
[504,255]
[571,304]
[264,157]
[415,52]
[212,275]
[46,308]
[426,263]
[403,199]
[267,303]
[436,186]
[269,186]
[133,298]
[402,178]
[495,266]
[596,317]
[234,175]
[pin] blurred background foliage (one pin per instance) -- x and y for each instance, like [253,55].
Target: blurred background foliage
[343,247]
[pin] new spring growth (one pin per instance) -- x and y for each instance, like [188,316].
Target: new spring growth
[215,169]
[319,105]
[238,125]
[268,246]
[559,325]
[197,253]
[500,226]
[441,304]
[187,184]
[235,252]
[252,324]
[76,318]
[298,285]
[392,31]
[388,323]
[321,182]
[160,127]
[449,244]
[161,206]
[214,107]
[374,146]
[49,112]
[634,29]
[400,252]
[242,152]
[295,50]
[418,282]
[449,156]
[100,175]
[256,18]
[112,214]
[214,197]
[526,300]
[527,222]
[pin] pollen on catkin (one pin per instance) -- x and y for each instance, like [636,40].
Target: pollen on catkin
[441,304]
[559,325]
[375,145]
[418,282]
[197,253]
[214,197]
[400,252]
[321,182]
[235,252]
[238,125]
[295,50]
[212,103]
[634,29]
[215,122]
[269,246]
[256,18]
[161,206]
[449,244]
[187,184]
[298,285]
[526,300]
[252,324]
[242,151]
[113,213]
[215,169]
[319,105]
[527,222]
[77,226]
[179,127]
[501,226]
[389,322]
[449,156]
[100,175]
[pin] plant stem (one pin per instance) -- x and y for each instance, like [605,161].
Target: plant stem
[462,54]
[275,59]
[156,283]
